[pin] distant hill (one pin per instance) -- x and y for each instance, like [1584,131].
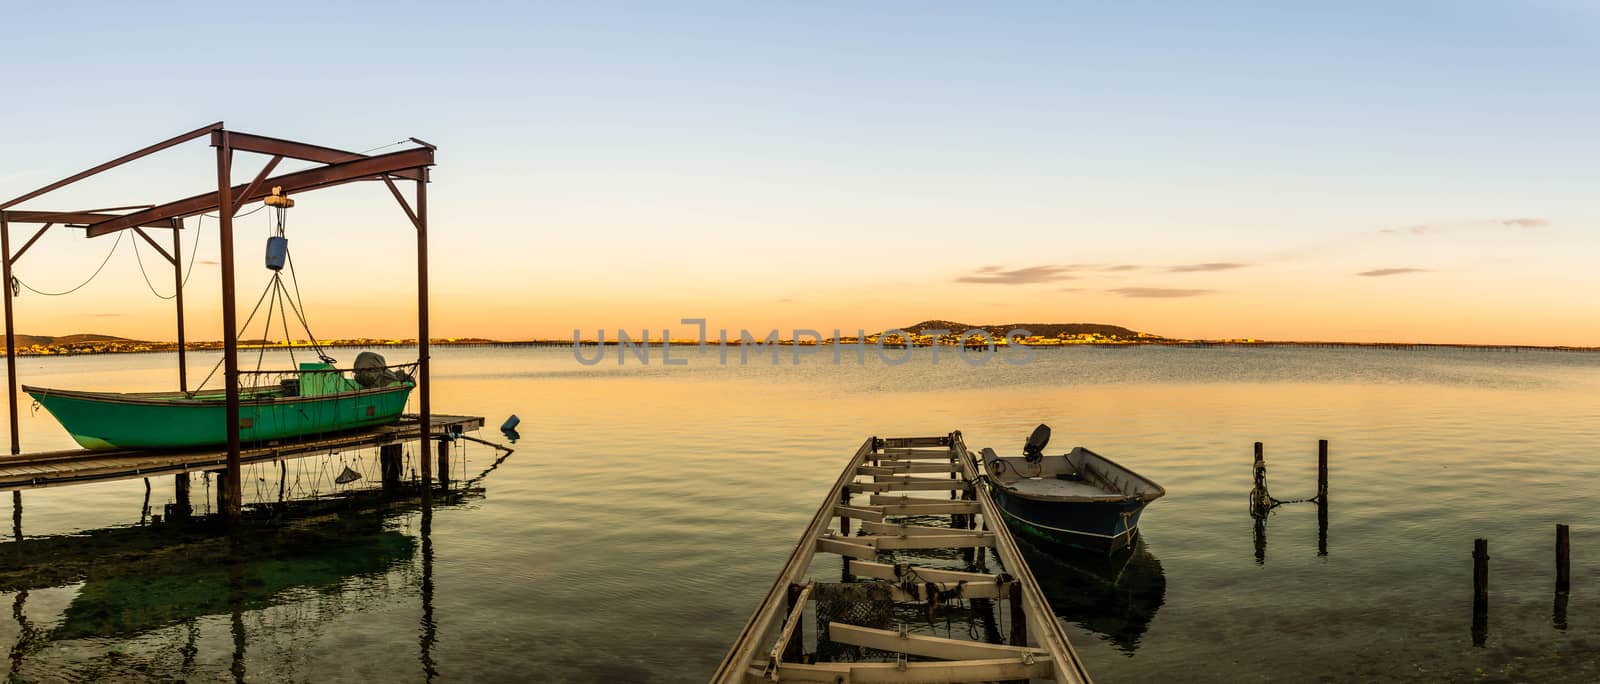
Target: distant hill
[79,338]
[1040,329]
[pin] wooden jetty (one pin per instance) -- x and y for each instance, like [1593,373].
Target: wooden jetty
[58,468]
[771,647]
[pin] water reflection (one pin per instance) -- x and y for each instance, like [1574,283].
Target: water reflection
[163,581]
[1116,596]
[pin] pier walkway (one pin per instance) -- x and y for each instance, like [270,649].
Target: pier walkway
[773,646]
[59,468]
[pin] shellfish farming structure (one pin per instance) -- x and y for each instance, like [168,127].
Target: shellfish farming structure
[880,622]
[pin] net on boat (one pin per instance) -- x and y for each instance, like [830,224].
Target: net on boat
[866,604]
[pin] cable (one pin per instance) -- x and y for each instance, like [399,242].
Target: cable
[18,281]
[142,272]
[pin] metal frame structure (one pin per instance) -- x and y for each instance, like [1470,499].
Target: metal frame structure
[337,168]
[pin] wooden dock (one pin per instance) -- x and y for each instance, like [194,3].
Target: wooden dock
[59,468]
[772,645]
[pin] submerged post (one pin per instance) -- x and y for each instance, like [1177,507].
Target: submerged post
[1480,591]
[180,495]
[231,491]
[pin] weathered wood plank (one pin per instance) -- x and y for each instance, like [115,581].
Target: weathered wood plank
[849,549]
[915,673]
[858,513]
[885,571]
[945,508]
[904,530]
[924,486]
[925,646]
[796,615]
[947,541]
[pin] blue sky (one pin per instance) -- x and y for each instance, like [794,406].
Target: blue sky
[843,164]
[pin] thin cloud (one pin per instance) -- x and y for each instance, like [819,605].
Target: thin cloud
[999,275]
[209,262]
[1527,222]
[1160,292]
[1204,268]
[1419,229]
[1377,272]
[1123,267]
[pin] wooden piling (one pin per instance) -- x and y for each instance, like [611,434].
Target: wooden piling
[180,495]
[1322,469]
[389,456]
[794,651]
[1563,560]
[1019,620]
[1480,591]
[444,464]
[222,489]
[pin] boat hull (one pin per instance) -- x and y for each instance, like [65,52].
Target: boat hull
[1099,526]
[108,421]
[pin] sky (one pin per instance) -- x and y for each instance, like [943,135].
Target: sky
[1355,171]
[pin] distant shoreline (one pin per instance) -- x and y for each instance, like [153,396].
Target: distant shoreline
[110,346]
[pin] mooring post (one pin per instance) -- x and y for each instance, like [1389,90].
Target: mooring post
[444,464]
[1322,469]
[794,651]
[1480,591]
[1019,619]
[389,456]
[1258,493]
[1563,560]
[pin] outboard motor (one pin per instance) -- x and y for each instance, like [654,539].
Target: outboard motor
[1034,449]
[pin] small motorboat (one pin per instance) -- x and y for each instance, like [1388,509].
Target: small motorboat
[1080,499]
[318,399]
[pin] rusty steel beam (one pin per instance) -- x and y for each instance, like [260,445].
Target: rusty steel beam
[11,346]
[231,490]
[255,184]
[321,177]
[29,243]
[404,206]
[119,161]
[177,293]
[299,150]
[423,382]
[72,217]
[154,244]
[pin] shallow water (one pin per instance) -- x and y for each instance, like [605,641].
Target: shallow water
[648,507]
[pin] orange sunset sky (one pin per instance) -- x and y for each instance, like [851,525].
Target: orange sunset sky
[1277,173]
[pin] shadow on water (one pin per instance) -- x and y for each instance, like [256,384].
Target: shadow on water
[1116,596]
[136,581]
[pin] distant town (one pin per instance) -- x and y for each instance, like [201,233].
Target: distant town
[924,334]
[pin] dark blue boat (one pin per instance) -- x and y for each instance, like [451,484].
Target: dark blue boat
[1079,499]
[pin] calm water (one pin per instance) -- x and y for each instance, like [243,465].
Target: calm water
[647,508]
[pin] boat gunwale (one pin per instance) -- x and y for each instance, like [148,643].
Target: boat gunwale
[183,399]
[1078,498]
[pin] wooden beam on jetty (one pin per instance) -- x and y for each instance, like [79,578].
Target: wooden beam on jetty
[765,650]
[61,468]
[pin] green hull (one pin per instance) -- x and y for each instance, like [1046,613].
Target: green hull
[145,421]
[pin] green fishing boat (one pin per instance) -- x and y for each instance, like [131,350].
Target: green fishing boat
[318,399]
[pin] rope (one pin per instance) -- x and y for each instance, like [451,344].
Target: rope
[299,307]
[16,282]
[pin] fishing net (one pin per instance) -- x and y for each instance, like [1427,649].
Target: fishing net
[866,604]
